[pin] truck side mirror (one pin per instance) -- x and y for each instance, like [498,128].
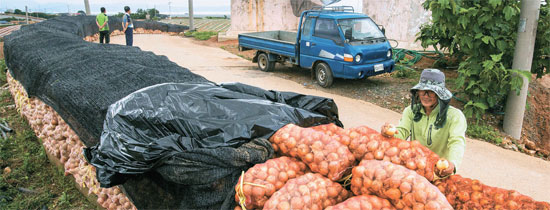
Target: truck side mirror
[381,27]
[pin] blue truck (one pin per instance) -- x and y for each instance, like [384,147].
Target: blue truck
[334,42]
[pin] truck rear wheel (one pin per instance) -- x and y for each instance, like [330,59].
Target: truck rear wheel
[323,74]
[264,64]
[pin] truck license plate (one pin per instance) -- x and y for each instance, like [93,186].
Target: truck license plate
[379,67]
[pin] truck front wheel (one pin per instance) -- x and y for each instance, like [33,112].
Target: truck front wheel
[323,74]
[264,64]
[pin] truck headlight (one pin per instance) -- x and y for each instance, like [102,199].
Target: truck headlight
[357,58]
[348,58]
[389,53]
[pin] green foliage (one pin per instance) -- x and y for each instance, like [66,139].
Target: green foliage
[542,43]
[141,14]
[10,19]
[3,78]
[483,33]
[34,14]
[213,17]
[485,132]
[200,35]
[404,72]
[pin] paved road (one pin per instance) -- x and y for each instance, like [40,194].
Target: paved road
[490,164]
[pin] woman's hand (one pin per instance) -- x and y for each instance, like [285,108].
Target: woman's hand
[388,130]
[444,168]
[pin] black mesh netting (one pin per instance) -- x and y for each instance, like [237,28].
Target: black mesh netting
[195,151]
[86,26]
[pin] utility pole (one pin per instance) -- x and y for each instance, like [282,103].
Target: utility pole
[523,58]
[169,11]
[87,6]
[191,27]
[27,15]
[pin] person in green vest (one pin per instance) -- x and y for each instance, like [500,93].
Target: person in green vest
[433,122]
[102,21]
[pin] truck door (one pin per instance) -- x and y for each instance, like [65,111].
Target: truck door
[326,44]
[306,60]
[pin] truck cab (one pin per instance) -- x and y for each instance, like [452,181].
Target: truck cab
[339,43]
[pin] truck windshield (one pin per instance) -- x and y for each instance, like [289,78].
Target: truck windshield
[360,29]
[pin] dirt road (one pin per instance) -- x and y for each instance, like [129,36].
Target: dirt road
[488,163]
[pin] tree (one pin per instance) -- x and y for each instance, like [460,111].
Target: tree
[481,35]
[153,12]
[18,12]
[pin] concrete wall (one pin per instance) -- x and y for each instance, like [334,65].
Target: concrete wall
[401,18]
[261,15]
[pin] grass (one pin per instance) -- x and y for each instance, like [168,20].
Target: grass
[485,132]
[402,71]
[34,182]
[200,35]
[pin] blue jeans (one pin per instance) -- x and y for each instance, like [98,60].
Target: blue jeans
[129,36]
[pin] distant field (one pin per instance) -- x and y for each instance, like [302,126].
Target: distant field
[219,25]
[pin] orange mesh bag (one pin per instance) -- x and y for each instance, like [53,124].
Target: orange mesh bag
[369,144]
[404,188]
[308,192]
[363,202]
[319,151]
[465,193]
[257,185]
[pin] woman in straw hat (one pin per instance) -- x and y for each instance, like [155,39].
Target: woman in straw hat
[433,122]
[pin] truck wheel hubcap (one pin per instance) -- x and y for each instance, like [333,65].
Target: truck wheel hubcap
[263,62]
[321,74]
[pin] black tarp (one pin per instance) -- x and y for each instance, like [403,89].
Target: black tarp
[157,122]
[196,135]
[80,80]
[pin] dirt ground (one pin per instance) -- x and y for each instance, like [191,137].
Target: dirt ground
[536,124]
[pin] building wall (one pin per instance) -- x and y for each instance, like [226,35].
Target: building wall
[261,15]
[401,18]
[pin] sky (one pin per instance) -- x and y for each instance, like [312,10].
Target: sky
[219,7]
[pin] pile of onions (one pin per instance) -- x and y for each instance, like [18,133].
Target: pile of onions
[464,193]
[262,180]
[62,143]
[95,37]
[402,187]
[368,144]
[316,149]
[309,191]
[363,202]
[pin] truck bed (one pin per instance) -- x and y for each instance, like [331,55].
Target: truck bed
[278,42]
